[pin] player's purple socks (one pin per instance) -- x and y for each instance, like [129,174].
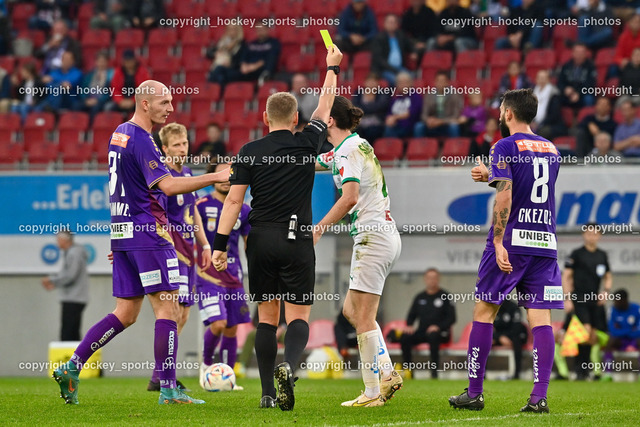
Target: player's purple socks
[96,337]
[165,351]
[210,344]
[479,347]
[543,351]
[608,360]
[229,350]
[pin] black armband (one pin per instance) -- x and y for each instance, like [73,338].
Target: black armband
[220,242]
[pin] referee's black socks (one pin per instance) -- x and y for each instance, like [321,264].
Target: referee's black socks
[295,341]
[266,352]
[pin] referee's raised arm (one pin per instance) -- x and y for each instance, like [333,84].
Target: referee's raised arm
[323,111]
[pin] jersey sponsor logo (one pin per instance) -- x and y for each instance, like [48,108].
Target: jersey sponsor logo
[533,239]
[501,164]
[211,224]
[536,146]
[153,164]
[553,293]
[119,209]
[121,230]
[601,269]
[172,262]
[180,199]
[211,211]
[120,139]
[174,276]
[150,278]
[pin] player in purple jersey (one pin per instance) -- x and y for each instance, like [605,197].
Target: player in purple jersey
[184,224]
[144,258]
[222,299]
[521,248]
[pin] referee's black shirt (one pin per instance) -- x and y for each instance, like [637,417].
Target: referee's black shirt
[280,169]
[588,270]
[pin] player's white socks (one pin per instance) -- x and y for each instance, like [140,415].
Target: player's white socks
[384,360]
[369,347]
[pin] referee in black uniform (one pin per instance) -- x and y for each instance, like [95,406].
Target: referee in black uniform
[280,169]
[585,269]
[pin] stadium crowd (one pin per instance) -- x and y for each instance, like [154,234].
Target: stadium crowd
[428,74]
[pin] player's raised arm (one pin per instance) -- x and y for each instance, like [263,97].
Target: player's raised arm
[322,112]
[186,184]
[501,212]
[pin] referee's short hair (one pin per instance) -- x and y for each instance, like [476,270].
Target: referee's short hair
[172,129]
[281,107]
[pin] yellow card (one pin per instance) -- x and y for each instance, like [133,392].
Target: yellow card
[326,38]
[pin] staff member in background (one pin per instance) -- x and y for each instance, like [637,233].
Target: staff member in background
[585,269]
[73,284]
[280,255]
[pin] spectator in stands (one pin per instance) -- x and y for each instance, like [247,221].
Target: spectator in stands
[624,327]
[419,23]
[481,145]
[346,336]
[435,314]
[307,102]
[390,49]
[521,34]
[593,29]
[109,15]
[404,109]
[628,40]
[5,91]
[514,78]
[259,60]
[5,30]
[97,82]
[375,104]
[213,146]
[630,78]
[228,51]
[63,83]
[548,121]
[576,77]
[48,12]
[603,148]
[145,14]
[508,331]
[484,8]
[28,90]
[627,136]
[357,27]
[59,42]
[473,116]
[126,79]
[600,121]
[450,35]
[440,110]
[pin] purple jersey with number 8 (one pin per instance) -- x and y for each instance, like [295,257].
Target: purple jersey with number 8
[531,163]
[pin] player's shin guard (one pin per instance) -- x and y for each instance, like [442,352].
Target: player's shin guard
[369,347]
[295,341]
[384,360]
[209,347]
[229,350]
[165,351]
[543,349]
[266,351]
[479,347]
[97,337]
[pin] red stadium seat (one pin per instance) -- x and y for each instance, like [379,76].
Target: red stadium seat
[38,128]
[129,38]
[96,38]
[422,149]
[567,116]
[238,136]
[584,112]
[302,63]
[321,333]
[10,125]
[361,66]
[257,10]
[186,9]
[565,142]
[182,118]
[104,124]
[456,147]
[164,68]
[77,154]
[562,33]
[463,342]
[11,154]
[500,60]
[468,64]
[539,59]
[193,41]
[228,9]
[434,61]
[604,59]
[37,37]
[491,34]
[195,71]
[237,96]
[8,63]
[249,119]
[206,98]
[287,9]
[320,8]
[72,128]
[388,327]
[42,153]
[388,149]
[162,41]
[20,15]
[85,13]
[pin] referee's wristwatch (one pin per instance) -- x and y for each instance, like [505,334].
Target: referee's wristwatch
[334,68]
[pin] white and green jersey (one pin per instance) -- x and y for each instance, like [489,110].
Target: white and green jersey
[354,160]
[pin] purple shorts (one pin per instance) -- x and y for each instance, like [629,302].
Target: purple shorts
[188,276]
[222,303]
[137,273]
[537,280]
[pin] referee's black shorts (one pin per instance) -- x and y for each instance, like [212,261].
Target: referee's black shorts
[591,313]
[280,268]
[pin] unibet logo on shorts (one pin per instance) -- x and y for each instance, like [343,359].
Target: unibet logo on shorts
[121,230]
[150,278]
[553,293]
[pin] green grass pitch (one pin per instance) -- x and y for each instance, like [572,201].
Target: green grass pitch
[120,401]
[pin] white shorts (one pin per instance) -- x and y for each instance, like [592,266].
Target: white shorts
[374,255]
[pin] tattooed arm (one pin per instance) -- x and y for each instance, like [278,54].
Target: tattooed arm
[501,211]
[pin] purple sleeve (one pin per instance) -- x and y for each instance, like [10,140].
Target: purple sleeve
[147,156]
[245,227]
[416,106]
[500,158]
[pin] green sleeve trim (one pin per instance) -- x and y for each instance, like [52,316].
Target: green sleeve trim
[351,179]
[323,164]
